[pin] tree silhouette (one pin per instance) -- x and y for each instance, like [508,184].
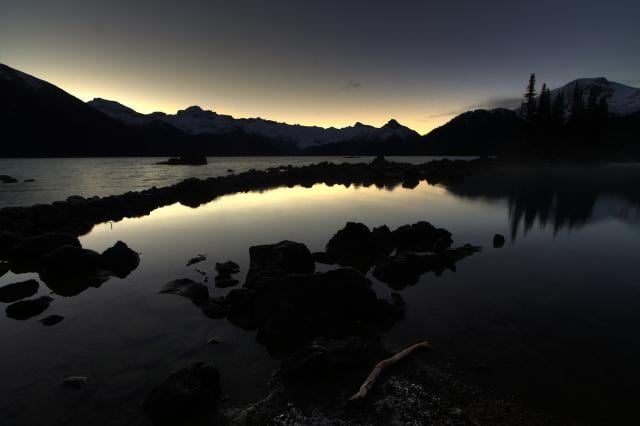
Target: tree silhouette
[530,99]
[557,109]
[544,105]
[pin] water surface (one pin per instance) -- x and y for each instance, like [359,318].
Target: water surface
[553,314]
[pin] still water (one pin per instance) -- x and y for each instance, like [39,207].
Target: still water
[554,314]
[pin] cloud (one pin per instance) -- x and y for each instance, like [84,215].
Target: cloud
[491,103]
[354,84]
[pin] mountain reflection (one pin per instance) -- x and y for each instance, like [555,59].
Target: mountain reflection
[564,198]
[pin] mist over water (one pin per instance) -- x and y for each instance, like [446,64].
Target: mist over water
[552,314]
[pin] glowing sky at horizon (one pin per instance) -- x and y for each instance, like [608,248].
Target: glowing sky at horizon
[326,63]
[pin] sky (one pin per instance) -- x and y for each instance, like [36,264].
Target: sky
[327,63]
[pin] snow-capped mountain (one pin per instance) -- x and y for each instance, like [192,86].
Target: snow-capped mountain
[622,99]
[194,120]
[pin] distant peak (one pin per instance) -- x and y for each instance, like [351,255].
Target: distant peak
[358,124]
[191,110]
[393,124]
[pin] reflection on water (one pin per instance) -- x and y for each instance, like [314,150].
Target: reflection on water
[553,315]
[560,197]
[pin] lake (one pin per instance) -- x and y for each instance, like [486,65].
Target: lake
[552,316]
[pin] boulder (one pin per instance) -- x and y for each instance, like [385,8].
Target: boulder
[198,293]
[187,397]
[274,260]
[31,250]
[69,270]
[74,382]
[353,245]
[120,259]
[421,236]
[228,267]
[26,309]
[13,292]
[242,311]
[498,240]
[296,307]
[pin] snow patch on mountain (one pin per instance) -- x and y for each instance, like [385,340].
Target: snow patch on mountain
[194,120]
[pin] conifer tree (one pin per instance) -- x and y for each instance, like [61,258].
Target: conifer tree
[544,104]
[577,104]
[530,99]
[557,109]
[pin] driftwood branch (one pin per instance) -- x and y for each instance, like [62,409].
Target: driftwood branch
[379,368]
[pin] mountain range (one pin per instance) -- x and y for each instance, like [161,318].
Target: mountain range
[40,119]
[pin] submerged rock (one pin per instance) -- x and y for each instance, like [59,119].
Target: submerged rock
[276,260]
[120,260]
[225,280]
[51,320]
[26,309]
[197,259]
[198,293]
[498,241]
[216,308]
[186,397]
[13,292]
[74,382]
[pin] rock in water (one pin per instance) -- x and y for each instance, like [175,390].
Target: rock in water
[228,267]
[198,293]
[51,320]
[32,249]
[70,270]
[199,258]
[7,179]
[225,280]
[120,259]
[13,292]
[498,241]
[421,236]
[74,382]
[186,160]
[276,260]
[216,308]
[186,397]
[26,309]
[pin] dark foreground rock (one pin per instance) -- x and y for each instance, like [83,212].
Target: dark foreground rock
[4,268]
[120,260]
[498,241]
[187,397]
[291,309]
[26,309]
[13,292]
[277,260]
[25,254]
[198,293]
[357,246]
